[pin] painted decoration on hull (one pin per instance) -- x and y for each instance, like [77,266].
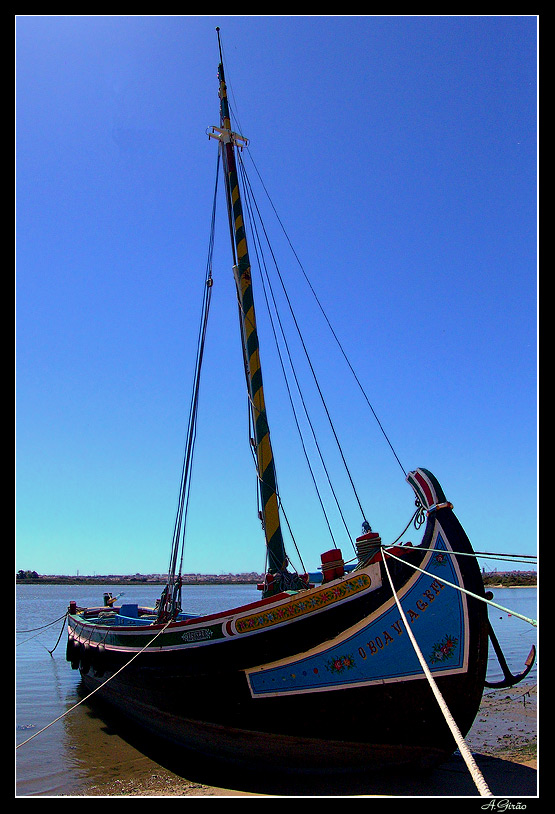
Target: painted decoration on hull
[378,650]
[313,601]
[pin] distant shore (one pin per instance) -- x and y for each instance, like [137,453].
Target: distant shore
[228,579]
[212,579]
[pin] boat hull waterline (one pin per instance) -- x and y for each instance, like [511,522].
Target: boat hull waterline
[317,679]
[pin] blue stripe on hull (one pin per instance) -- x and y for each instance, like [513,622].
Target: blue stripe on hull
[379,650]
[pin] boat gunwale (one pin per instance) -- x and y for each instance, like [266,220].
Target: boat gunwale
[225,615]
[82,619]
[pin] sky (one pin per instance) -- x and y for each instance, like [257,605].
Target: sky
[401,156]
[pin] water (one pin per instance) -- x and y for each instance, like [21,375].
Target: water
[78,751]
[81,751]
[515,636]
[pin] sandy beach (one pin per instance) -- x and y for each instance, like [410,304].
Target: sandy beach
[503,741]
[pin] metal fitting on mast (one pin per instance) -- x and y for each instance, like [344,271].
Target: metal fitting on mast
[225,136]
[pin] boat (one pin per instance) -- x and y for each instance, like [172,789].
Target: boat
[312,674]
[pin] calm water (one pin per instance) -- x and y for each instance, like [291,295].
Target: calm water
[80,750]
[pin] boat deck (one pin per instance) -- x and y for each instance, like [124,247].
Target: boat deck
[135,615]
[127,615]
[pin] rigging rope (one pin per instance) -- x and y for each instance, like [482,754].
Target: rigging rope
[43,627]
[418,519]
[459,588]
[248,189]
[523,558]
[475,772]
[59,637]
[340,346]
[266,279]
[249,195]
[171,597]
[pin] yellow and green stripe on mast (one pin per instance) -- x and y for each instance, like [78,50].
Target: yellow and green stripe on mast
[277,558]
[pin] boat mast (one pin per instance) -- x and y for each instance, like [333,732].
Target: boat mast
[229,141]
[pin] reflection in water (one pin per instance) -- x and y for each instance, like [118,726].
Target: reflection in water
[99,753]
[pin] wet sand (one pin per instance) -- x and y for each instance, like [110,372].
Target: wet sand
[503,741]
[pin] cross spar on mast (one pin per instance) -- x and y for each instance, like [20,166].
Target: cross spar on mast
[277,577]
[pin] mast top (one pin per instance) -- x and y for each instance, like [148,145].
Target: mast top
[224,134]
[219,42]
[278,576]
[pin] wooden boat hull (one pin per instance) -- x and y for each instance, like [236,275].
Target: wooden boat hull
[323,678]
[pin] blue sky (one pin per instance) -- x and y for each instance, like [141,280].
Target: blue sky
[401,155]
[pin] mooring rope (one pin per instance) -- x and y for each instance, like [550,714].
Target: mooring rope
[40,629]
[475,772]
[100,686]
[490,555]
[43,627]
[60,636]
[459,588]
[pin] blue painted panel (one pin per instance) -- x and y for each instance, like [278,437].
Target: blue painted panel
[382,650]
[132,611]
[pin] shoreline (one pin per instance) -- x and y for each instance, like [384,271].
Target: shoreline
[119,583]
[209,579]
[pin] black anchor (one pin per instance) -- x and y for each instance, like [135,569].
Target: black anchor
[510,680]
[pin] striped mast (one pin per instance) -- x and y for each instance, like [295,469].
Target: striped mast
[277,558]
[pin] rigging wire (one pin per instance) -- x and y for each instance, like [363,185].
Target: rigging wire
[246,183]
[235,118]
[523,558]
[532,622]
[305,349]
[248,199]
[42,627]
[266,284]
[320,306]
[247,189]
[171,597]
[513,558]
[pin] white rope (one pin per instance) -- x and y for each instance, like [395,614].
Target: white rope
[477,776]
[532,622]
[127,663]
[483,554]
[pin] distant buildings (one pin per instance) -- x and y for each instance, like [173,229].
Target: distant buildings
[153,579]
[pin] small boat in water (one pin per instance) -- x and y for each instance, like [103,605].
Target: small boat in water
[313,674]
